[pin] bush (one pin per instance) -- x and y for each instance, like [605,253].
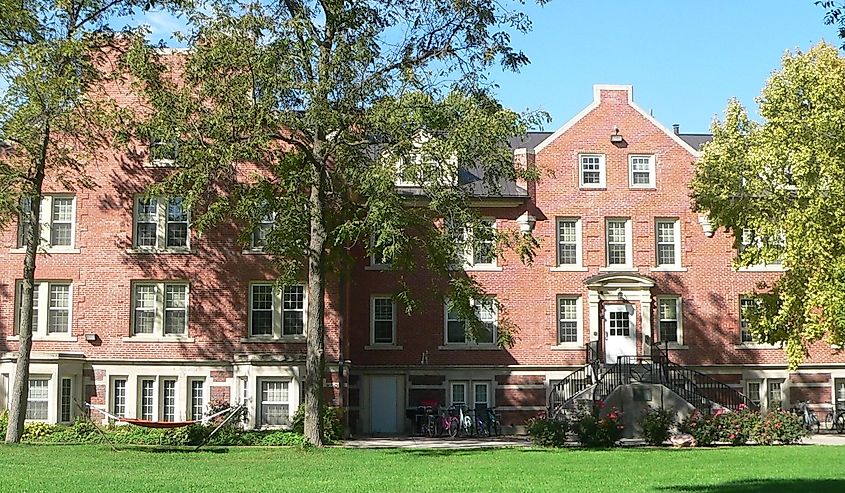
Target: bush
[4,423]
[594,430]
[332,422]
[37,431]
[780,426]
[737,428]
[656,424]
[286,438]
[704,428]
[547,432]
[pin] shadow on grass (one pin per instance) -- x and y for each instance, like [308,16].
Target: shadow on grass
[766,485]
[155,449]
[446,452]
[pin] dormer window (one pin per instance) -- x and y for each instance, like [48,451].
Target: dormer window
[641,171]
[592,171]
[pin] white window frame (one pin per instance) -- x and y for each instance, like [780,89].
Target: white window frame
[45,223]
[760,388]
[471,263]
[161,221]
[278,329]
[676,244]
[190,401]
[153,396]
[602,170]
[743,322]
[467,340]
[749,238]
[153,162]
[651,170]
[579,321]
[579,259]
[376,263]
[373,341]
[160,309]
[679,321]
[475,401]
[163,397]
[452,385]
[838,399]
[260,402]
[42,309]
[113,403]
[265,224]
[629,249]
[781,389]
[46,381]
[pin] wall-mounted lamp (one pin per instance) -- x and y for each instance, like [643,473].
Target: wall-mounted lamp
[704,221]
[526,222]
[91,337]
[615,138]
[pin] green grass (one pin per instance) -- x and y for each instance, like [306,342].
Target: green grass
[805,469]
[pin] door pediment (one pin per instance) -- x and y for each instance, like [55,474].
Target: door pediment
[619,280]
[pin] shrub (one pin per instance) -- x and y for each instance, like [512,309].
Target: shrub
[739,427]
[83,430]
[4,422]
[37,431]
[287,438]
[780,426]
[704,428]
[332,422]
[655,424]
[547,432]
[594,430]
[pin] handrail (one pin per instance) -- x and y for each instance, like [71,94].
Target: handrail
[567,389]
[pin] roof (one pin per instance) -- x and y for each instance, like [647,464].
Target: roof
[528,141]
[696,140]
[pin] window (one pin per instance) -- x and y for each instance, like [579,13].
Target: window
[751,239]
[481,391]
[753,392]
[377,255]
[65,409]
[168,400]
[56,222]
[161,223]
[276,313]
[839,393]
[51,308]
[163,151]
[775,394]
[569,242]
[618,242]
[147,399]
[456,325]
[274,409]
[459,393]
[197,399]
[569,319]
[592,174]
[38,399]
[641,171]
[262,229]
[482,253]
[620,324]
[669,318]
[160,308]
[745,303]
[383,320]
[119,397]
[668,247]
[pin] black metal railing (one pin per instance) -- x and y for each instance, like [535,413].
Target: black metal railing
[564,392]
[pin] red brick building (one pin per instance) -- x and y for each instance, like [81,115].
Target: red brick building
[137,314]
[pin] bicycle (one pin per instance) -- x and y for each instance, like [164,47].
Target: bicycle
[494,422]
[835,420]
[443,421]
[811,422]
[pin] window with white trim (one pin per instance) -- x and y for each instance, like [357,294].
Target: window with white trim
[751,238]
[591,171]
[669,319]
[458,393]
[569,326]
[618,244]
[482,253]
[668,244]
[168,400]
[377,255]
[274,407]
[197,404]
[383,320]
[118,398]
[457,326]
[641,171]
[38,399]
[276,313]
[745,303]
[752,389]
[163,151]
[839,393]
[481,393]
[160,309]
[161,224]
[66,396]
[258,238]
[569,242]
[775,394]
[51,308]
[57,222]
[148,399]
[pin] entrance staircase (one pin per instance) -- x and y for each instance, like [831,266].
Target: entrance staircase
[594,382]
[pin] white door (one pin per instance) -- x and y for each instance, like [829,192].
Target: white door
[620,334]
[383,404]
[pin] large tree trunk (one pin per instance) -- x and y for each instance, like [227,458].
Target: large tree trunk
[20,390]
[314,329]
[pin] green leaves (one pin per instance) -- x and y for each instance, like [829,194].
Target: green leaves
[782,183]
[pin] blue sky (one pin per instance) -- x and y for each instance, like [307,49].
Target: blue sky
[684,58]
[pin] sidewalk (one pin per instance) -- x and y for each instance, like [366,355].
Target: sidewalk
[437,443]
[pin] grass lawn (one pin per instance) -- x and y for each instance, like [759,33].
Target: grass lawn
[805,469]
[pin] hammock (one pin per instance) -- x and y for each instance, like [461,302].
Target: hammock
[160,424]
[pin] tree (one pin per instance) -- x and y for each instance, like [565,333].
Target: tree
[49,127]
[330,102]
[834,15]
[781,185]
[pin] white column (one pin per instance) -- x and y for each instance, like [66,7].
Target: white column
[594,322]
[645,323]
